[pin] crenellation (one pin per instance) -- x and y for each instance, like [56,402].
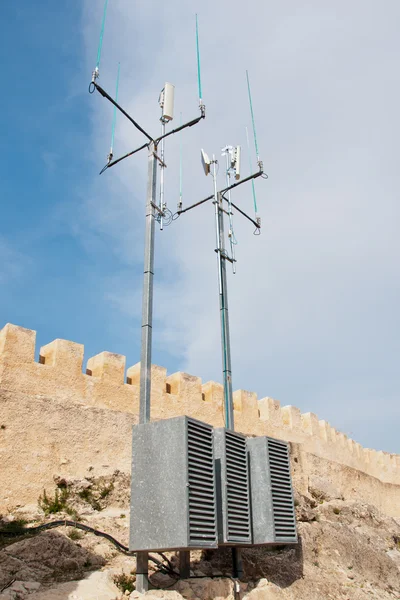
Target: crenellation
[270,410]
[58,375]
[63,355]
[107,367]
[358,451]
[17,344]
[185,386]
[213,393]
[291,417]
[325,431]
[310,424]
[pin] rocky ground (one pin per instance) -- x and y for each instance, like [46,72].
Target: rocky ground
[347,551]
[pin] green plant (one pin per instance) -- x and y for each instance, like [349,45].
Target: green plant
[122,516]
[74,534]
[3,427]
[73,513]
[125,582]
[54,505]
[106,490]
[87,496]
[336,510]
[59,503]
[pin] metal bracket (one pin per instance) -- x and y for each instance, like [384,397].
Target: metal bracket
[162,163]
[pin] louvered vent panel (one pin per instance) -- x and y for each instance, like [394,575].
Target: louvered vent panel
[202,501]
[282,494]
[237,489]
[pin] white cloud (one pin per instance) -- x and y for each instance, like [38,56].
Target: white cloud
[314,303]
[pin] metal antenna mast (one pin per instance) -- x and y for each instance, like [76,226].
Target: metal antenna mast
[219,198]
[154,212]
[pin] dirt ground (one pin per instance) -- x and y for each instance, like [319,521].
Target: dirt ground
[347,551]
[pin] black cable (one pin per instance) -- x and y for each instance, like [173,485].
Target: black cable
[169,570]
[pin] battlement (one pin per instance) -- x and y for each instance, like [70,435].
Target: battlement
[107,384]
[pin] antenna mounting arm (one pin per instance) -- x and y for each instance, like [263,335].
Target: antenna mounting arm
[189,124]
[231,187]
[105,95]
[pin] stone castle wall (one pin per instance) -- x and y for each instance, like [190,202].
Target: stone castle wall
[56,418]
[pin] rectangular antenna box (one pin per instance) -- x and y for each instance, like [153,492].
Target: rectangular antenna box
[173,495]
[273,513]
[233,488]
[168,102]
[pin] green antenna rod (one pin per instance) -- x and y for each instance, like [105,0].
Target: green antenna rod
[252,117]
[96,71]
[110,156]
[198,64]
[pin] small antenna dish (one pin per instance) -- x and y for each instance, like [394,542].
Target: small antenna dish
[167,101]
[205,161]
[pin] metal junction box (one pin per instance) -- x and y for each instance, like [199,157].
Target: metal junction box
[233,489]
[273,514]
[173,495]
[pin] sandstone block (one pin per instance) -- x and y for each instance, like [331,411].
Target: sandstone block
[310,424]
[64,355]
[158,376]
[291,417]
[17,344]
[107,366]
[325,431]
[270,410]
[187,387]
[213,393]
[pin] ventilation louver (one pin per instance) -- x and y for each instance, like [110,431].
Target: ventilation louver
[281,489]
[173,498]
[202,502]
[273,514]
[233,494]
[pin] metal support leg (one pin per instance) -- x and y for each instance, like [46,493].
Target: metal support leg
[142,576]
[184,564]
[237,563]
[142,572]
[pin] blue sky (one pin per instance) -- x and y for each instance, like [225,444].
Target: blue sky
[314,305]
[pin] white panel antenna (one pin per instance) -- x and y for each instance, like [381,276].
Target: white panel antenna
[205,161]
[167,101]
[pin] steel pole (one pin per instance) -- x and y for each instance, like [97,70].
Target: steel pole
[147,303]
[223,305]
[142,575]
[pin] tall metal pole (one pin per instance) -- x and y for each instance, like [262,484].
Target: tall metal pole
[223,304]
[142,576]
[147,302]
[225,336]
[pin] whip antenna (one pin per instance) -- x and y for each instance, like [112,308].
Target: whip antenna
[198,66]
[110,156]
[96,71]
[252,117]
